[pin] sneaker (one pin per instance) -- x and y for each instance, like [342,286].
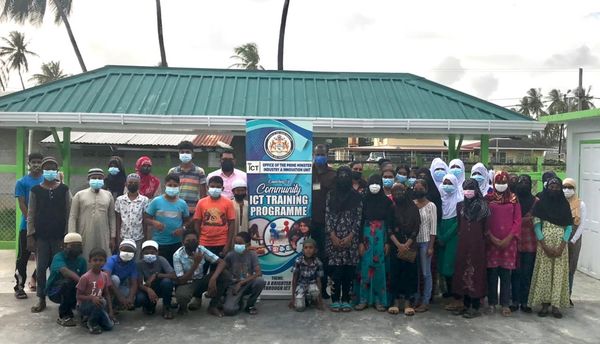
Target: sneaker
[513,308]
[40,306]
[196,304]
[66,322]
[20,294]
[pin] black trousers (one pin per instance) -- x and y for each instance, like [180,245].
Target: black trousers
[342,276]
[45,249]
[21,264]
[63,293]
[317,232]
[208,266]
[469,302]
[167,251]
[493,274]
[521,278]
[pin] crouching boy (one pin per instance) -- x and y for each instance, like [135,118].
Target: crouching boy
[306,280]
[93,295]
[156,280]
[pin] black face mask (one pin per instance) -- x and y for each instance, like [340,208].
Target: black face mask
[227,165]
[191,247]
[356,175]
[73,252]
[419,194]
[133,188]
[145,170]
[522,189]
[343,183]
[555,194]
[238,197]
[399,197]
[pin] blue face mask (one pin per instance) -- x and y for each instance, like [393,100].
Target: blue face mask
[239,248]
[321,160]
[50,175]
[439,175]
[479,178]
[113,170]
[214,192]
[185,157]
[149,258]
[401,178]
[448,188]
[388,182]
[456,171]
[411,182]
[172,191]
[96,184]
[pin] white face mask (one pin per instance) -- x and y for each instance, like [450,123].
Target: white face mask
[374,188]
[501,187]
[126,256]
[569,193]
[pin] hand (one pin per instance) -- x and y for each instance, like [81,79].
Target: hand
[97,300]
[386,249]
[177,232]
[152,295]
[152,278]
[402,248]
[335,241]
[212,288]
[347,241]
[361,249]
[198,258]
[130,301]
[159,226]
[430,251]
[236,288]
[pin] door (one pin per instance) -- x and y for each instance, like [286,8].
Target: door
[589,192]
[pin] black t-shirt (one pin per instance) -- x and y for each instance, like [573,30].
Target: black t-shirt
[322,184]
[50,212]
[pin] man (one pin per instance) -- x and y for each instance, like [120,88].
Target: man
[192,179]
[22,188]
[155,280]
[123,274]
[130,213]
[229,173]
[323,179]
[47,217]
[240,206]
[93,215]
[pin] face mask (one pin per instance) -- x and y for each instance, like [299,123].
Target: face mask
[73,252]
[419,194]
[35,167]
[469,193]
[185,157]
[401,178]
[456,171]
[439,175]
[214,192]
[113,170]
[388,182]
[149,258]
[411,181]
[321,160]
[227,165]
[96,184]
[145,170]
[133,188]
[126,256]
[374,188]
[479,178]
[522,189]
[238,248]
[239,197]
[356,175]
[50,175]
[569,193]
[191,247]
[172,191]
[448,188]
[501,187]
[555,194]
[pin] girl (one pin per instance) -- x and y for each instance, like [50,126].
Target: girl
[388,182]
[480,174]
[412,176]
[358,183]
[116,179]
[402,172]
[578,210]
[438,170]
[457,168]
[469,281]
[374,247]
[553,224]
[343,215]
[433,193]
[425,240]
[403,230]
[149,184]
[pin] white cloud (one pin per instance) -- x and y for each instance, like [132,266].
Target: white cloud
[359,21]
[449,71]
[485,85]
[578,57]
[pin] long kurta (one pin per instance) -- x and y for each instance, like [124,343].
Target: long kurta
[470,269]
[504,219]
[93,216]
[446,252]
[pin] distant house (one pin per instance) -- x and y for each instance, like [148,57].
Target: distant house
[513,151]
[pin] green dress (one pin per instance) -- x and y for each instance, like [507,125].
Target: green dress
[550,281]
[372,281]
[446,252]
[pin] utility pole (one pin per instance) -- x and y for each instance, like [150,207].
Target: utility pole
[580,93]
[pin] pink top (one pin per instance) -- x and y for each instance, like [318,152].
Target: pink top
[228,181]
[504,219]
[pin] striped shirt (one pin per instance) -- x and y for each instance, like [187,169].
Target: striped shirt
[189,184]
[182,262]
[428,222]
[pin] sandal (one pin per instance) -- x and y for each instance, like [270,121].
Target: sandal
[380,308]
[335,307]
[360,307]
[394,310]
[472,313]
[346,307]
[422,308]
[543,313]
[556,313]
[506,312]
[409,311]
[168,315]
[252,310]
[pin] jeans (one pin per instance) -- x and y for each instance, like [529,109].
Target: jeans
[21,264]
[121,286]
[197,287]
[521,278]
[44,251]
[233,303]
[96,315]
[163,289]
[63,292]
[492,280]
[342,276]
[425,264]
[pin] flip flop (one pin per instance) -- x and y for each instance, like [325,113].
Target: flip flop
[360,307]
[409,311]
[346,307]
[335,307]
[506,312]
[394,310]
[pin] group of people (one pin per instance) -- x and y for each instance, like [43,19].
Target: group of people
[127,241]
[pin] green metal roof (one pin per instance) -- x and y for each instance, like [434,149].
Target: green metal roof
[571,116]
[217,92]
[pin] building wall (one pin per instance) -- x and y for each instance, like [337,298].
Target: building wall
[579,131]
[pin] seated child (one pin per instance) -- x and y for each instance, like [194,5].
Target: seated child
[65,271]
[156,280]
[123,274]
[243,265]
[94,301]
[306,279]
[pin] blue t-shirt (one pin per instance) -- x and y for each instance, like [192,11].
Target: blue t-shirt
[124,270]
[22,189]
[170,214]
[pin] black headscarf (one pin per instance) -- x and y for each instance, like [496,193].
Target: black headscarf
[116,184]
[343,196]
[523,192]
[376,206]
[545,177]
[406,212]
[433,194]
[476,208]
[553,205]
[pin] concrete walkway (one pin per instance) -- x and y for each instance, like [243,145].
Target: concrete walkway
[276,324]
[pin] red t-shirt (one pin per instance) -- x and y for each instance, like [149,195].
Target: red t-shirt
[93,284]
[214,216]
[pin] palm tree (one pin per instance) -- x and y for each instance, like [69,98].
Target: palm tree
[161,42]
[248,57]
[558,102]
[532,104]
[586,99]
[15,51]
[524,106]
[286,6]
[33,11]
[51,71]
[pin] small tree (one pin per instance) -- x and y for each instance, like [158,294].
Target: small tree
[51,71]
[248,57]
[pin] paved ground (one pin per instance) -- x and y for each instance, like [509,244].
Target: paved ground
[276,324]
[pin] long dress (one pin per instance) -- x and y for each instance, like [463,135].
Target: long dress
[550,282]
[504,219]
[372,278]
[93,216]
[470,269]
[447,251]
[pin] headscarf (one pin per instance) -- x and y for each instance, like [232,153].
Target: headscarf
[149,184]
[433,193]
[545,176]
[485,185]
[343,196]
[574,202]
[476,208]
[523,191]
[553,206]
[436,164]
[461,178]
[450,200]
[116,184]
[406,212]
[501,197]
[376,207]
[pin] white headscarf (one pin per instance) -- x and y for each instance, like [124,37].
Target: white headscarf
[450,200]
[485,185]
[435,164]
[461,178]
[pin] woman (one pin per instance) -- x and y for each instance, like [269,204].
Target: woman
[425,241]
[388,181]
[433,193]
[480,174]
[469,281]
[402,172]
[504,225]
[553,224]
[402,233]
[358,183]
[578,210]
[343,216]
[373,247]
[412,176]
[116,179]
[438,170]
[149,184]
[457,168]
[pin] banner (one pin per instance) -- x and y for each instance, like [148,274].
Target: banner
[279,168]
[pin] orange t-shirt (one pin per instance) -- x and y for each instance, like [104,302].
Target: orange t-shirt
[214,216]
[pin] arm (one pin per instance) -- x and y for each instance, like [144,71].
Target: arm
[66,273]
[230,235]
[212,283]
[133,288]
[31,215]
[582,215]
[112,219]
[23,206]
[109,303]
[432,214]
[118,224]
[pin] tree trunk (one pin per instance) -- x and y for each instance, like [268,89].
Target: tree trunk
[161,42]
[286,5]
[21,77]
[65,20]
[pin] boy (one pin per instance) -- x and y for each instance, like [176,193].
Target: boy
[229,173]
[156,280]
[191,280]
[123,274]
[215,220]
[246,274]
[240,206]
[130,213]
[193,179]
[166,214]
[93,295]
[306,280]
[67,267]
[22,189]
